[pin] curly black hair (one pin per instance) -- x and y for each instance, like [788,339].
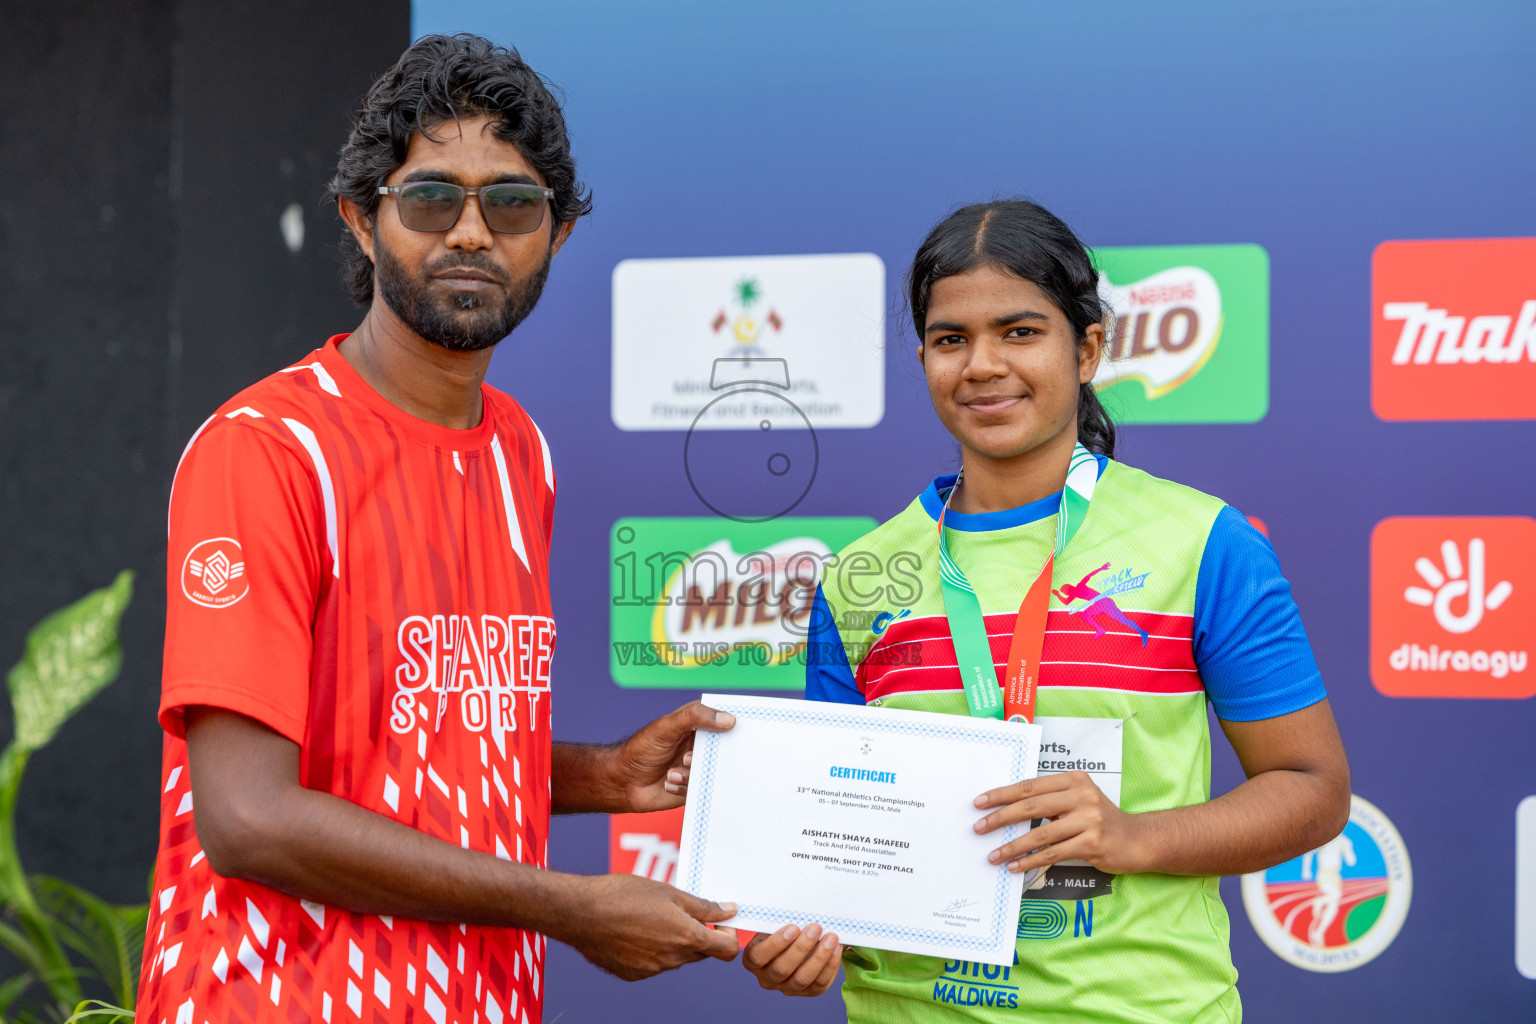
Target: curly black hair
[444,78]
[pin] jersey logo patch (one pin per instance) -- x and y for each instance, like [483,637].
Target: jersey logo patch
[1099,601]
[214,573]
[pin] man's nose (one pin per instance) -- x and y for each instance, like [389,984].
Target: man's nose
[470,232]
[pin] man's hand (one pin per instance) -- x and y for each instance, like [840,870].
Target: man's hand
[795,961]
[651,767]
[635,928]
[1084,825]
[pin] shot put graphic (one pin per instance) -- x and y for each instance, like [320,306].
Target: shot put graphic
[762,464]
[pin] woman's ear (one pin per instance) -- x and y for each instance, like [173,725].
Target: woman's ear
[920,360]
[1089,351]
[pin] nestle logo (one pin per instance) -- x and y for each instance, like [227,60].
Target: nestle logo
[1454,329]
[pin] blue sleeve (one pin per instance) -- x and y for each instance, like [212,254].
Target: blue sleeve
[827,675]
[1250,646]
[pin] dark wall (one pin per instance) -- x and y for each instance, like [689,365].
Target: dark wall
[149,149]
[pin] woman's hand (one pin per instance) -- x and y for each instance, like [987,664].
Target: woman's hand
[1084,825]
[795,961]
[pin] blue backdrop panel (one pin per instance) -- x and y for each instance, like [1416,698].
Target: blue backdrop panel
[1315,130]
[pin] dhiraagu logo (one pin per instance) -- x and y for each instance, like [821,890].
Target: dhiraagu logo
[1190,342]
[707,602]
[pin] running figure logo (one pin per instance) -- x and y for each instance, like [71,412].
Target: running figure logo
[1099,603]
[1326,863]
[1340,905]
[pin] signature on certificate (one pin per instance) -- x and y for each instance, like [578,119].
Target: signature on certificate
[958,905]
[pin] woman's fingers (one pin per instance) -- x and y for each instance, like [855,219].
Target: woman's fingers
[1022,790]
[1048,805]
[1074,848]
[765,948]
[803,982]
[828,973]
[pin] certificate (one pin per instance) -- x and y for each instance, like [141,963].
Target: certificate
[860,819]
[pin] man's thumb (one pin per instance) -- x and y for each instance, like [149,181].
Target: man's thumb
[707,911]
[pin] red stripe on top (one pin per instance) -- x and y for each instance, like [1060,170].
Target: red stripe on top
[918,654]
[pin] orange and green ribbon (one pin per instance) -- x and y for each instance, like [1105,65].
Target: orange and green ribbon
[1012,697]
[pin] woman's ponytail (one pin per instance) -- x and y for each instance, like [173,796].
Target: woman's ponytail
[1095,430]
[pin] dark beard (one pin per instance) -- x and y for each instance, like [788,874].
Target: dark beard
[464,323]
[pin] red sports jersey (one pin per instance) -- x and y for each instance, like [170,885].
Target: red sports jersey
[375,588]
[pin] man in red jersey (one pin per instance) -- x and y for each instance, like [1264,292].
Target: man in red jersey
[358,640]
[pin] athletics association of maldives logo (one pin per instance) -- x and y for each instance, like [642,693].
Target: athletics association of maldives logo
[214,573]
[1340,906]
[1451,603]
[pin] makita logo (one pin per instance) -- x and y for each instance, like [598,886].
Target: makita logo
[1454,329]
[655,857]
[645,844]
[1434,335]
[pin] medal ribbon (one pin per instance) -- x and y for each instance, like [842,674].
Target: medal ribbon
[1014,699]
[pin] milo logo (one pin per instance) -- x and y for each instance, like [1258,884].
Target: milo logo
[1165,329]
[719,600]
[1189,342]
[702,598]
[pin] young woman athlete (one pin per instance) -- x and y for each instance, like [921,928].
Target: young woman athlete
[1011,329]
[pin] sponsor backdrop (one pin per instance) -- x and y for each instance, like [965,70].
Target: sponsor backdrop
[1316,226]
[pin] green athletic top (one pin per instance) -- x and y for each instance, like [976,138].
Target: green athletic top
[1180,600]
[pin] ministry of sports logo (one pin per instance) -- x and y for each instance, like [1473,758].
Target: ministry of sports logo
[214,573]
[1339,906]
[746,326]
[813,326]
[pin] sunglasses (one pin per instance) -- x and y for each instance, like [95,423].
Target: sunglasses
[511,209]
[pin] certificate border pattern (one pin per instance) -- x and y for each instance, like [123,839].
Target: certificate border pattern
[703,782]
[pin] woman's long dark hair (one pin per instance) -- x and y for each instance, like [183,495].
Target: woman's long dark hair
[1030,242]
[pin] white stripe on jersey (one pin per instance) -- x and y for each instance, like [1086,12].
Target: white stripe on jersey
[513,529]
[549,464]
[327,488]
[327,382]
[195,435]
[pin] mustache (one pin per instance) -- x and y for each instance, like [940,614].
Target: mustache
[469,261]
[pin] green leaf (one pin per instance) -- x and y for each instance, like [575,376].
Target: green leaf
[11,989]
[70,656]
[22,948]
[110,937]
[99,1012]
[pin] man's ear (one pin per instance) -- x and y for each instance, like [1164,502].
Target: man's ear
[920,360]
[561,234]
[357,222]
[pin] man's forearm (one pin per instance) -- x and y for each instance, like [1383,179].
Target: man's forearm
[583,780]
[320,847]
[1272,817]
